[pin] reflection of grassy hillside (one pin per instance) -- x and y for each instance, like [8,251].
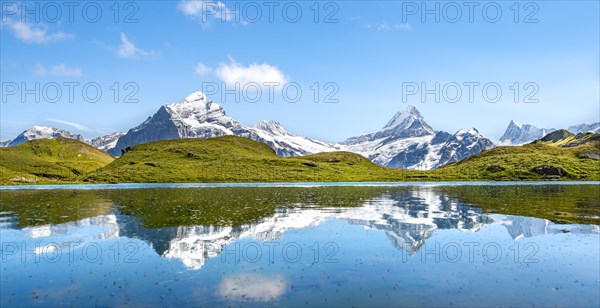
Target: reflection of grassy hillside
[46,160]
[562,204]
[231,206]
[42,207]
[157,208]
[235,206]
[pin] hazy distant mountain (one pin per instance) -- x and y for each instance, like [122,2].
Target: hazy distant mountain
[517,134]
[106,142]
[585,127]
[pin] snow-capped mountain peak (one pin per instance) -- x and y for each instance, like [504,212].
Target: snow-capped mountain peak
[106,142]
[272,127]
[196,105]
[198,117]
[194,117]
[42,132]
[407,141]
[404,119]
[196,97]
[471,131]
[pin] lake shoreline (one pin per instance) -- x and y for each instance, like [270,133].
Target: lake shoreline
[87,186]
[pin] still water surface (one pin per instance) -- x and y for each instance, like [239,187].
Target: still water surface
[372,245]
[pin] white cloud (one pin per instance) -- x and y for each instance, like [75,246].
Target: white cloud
[386,27]
[203,10]
[58,70]
[252,286]
[202,70]
[78,126]
[128,50]
[191,8]
[234,73]
[34,34]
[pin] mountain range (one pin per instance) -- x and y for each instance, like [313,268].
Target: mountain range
[198,117]
[518,134]
[406,141]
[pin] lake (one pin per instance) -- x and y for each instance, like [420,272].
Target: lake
[324,244]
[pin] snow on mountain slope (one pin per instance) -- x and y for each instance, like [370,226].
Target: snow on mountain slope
[407,141]
[459,146]
[41,132]
[106,142]
[198,117]
[517,134]
[283,142]
[585,127]
[409,123]
[194,117]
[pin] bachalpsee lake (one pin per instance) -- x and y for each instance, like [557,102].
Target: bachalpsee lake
[301,244]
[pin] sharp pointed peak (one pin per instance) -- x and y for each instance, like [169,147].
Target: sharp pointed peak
[410,109]
[196,102]
[474,132]
[514,123]
[409,112]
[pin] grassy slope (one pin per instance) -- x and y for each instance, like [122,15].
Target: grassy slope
[50,160]
[236,159]
[565,139]
[517,163]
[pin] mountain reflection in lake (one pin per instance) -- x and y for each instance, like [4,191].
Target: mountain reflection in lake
[393,246]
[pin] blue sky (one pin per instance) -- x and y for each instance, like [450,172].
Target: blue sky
[369,52]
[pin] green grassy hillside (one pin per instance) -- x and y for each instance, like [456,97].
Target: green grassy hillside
[565,139]
[50,160]
[236,159]
[528,162]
